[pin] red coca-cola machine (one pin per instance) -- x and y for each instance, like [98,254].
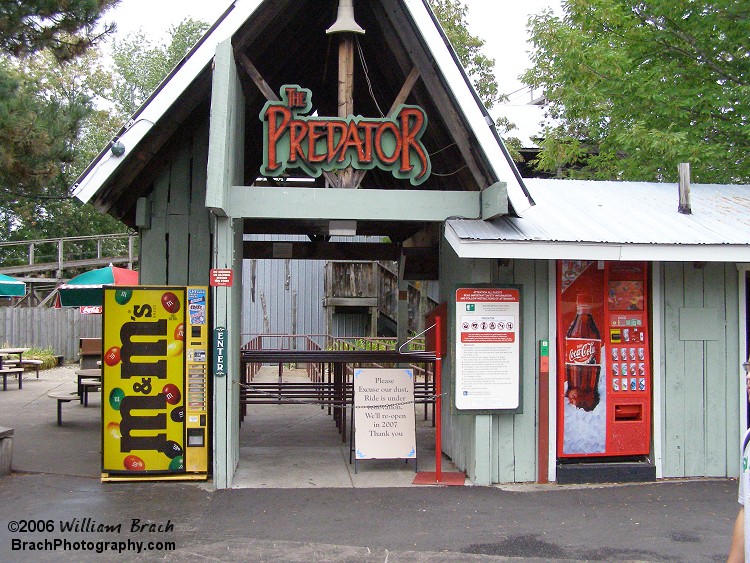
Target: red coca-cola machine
[603,359]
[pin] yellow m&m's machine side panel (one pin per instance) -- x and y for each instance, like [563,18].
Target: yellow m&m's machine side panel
[154,424]
[196,374]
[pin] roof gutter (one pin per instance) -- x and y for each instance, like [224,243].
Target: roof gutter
[574,250]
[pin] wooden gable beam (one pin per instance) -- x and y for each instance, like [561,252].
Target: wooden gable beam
[256,77]
[254,74]
[403,94]
[437,89]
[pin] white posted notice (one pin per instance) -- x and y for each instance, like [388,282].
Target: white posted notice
[487,348]
[384,426]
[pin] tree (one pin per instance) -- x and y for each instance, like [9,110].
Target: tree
[38,127]
[47,209]
[634,88]
[67,28]
[481,69]
[141,65]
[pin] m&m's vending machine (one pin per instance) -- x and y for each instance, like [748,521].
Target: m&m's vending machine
[604,359]
[155,383]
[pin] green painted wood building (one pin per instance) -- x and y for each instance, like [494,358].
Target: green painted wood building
[190,180]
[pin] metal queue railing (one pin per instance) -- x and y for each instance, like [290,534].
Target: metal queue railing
[330,363]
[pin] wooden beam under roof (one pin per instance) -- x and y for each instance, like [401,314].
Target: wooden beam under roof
[401,98]
[367,205]
[320,250]
[438,91]
[271,96]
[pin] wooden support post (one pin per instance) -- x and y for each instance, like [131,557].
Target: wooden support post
[346,94]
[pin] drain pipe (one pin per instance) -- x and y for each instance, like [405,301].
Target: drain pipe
[683,171]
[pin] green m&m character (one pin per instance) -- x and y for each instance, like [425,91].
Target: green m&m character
[115,398]
[122,296]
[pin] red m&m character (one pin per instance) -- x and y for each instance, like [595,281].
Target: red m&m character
[170,302]
[112,356]
[172,393]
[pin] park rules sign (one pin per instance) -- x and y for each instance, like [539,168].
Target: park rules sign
[487,355]
[384,426]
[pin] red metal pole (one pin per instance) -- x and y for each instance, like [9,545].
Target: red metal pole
[438,399]
[543,437]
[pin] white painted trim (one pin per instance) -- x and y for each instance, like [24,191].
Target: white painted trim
[467,104]
[547,250]
[170,92]
[552,426]
[657,324]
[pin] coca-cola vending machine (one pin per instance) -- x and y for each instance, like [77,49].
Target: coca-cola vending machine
[604,359]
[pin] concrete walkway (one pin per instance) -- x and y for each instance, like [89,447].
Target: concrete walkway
[306,506]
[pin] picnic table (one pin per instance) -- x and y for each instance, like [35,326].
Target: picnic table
[4,352]
[11,366]
[88,379]
[7,361]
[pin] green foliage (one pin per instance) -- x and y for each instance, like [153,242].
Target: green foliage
[46,355]
[637,87]
[54,119]
[480,68]
[141,65]
[65,134]
[67,28]
[44,104]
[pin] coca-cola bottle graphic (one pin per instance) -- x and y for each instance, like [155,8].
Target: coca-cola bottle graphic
[582,357]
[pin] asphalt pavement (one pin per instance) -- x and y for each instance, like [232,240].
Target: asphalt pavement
[55,508]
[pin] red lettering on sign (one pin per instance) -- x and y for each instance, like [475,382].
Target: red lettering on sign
[328,143]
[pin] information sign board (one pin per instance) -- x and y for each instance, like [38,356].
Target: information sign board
[487,348]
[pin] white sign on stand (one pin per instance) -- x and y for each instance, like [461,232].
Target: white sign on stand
[384,426]
[487,348]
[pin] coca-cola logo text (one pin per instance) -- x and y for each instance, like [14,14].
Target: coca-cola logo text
[91,310]
[582,352]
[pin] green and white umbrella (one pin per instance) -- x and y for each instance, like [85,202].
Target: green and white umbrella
[88,289]
[11,287]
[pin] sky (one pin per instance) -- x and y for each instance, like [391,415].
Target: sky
[500,23]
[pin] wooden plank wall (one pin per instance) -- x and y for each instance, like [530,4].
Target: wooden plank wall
[508,440]
[59,329]
[700,371]
[176,249]
[514,455]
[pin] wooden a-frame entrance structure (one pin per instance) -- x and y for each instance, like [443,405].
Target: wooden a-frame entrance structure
[189,177]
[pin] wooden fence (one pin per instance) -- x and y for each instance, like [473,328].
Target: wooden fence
[58,329]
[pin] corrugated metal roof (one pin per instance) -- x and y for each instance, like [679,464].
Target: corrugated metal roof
[633,218]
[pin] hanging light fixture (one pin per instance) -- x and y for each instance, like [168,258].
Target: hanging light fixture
[345,19]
